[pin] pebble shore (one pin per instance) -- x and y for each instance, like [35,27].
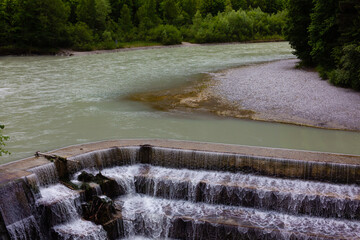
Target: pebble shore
[280,92]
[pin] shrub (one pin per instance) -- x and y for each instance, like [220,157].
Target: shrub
[166,34]
[81,36]
[348,72]
[2,141]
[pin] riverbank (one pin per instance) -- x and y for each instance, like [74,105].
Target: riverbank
[280,92]
[272,92]
[127,47]
[67,52]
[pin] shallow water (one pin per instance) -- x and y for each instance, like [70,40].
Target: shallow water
[51,102]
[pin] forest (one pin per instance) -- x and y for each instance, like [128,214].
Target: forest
[31,25]
[326,34]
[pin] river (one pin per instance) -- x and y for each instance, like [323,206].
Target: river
[48,102]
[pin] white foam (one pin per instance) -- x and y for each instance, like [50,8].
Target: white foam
[56,193]
[4,92]
[153,212]
[81,230]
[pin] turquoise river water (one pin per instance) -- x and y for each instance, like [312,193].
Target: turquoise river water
[50,102]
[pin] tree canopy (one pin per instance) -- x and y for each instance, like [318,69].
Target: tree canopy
[326,33]
[89,24]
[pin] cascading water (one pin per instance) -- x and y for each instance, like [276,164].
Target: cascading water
[105,158]
[161,193]
[289,196]
[24,229]
[60,209]
[156,218]
[46,174]
[220,192]
[17,211]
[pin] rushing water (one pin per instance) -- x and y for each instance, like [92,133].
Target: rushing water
[158,201]
[128,195]
[64,205]
[213,187]
[51,102]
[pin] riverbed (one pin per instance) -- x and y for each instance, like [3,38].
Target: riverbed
[50,102]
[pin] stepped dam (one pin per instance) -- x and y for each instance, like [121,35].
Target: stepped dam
[164,189]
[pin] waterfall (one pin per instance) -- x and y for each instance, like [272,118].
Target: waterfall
[155,217]
[25,229]
[146,192]
[277,167]
[104,158]
[216,187]
[59,204]
[79,230]
[46,174]
[17,208]
[61,211]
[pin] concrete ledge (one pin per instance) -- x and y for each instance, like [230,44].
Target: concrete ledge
[14,170]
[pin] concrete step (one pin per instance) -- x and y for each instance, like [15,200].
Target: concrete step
[154,217]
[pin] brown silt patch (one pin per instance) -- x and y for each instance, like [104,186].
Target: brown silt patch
[195,97]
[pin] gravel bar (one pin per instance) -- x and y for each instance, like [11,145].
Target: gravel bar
[280,92]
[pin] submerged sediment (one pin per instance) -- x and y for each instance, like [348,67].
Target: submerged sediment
[196,97]
[172,189]
[274,92]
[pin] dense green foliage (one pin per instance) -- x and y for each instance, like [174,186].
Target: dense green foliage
[2,141]
[237,26]
[348,72]
[298,22]
[323,32]
[326,33]
[89,24]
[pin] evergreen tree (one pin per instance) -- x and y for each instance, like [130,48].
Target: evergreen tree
[73,6]
[147,15]
[323,33]
[94,13]
[125,21]
[42,23]
[188,9]
[297,32]
[116,7]
[228,6]
[9,22]
[170,11]
[103,10]
[86,12]
[239,4]
[211,6]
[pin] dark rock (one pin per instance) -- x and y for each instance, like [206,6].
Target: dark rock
[100,210]
[115,228]
[86,177]
[111,188]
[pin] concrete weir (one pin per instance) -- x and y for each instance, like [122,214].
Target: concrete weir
[180,190]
